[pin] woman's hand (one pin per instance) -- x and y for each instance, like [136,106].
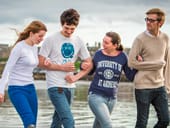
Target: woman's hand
[85,65]
[47,62]
[2,98]
[139,58]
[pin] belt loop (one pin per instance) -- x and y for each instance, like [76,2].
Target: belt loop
[60,90]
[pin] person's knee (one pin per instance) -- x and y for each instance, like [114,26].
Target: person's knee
[31,126]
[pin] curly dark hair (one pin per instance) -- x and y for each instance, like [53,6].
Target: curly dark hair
[70,17]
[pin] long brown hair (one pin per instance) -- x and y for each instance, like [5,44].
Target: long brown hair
[34,27]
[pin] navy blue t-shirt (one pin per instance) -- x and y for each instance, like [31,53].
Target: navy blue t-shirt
[108,70]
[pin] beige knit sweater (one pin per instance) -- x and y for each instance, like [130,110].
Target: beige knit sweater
[154,70]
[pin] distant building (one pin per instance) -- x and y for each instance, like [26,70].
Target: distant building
[40,73]
[93,49]
[4,50]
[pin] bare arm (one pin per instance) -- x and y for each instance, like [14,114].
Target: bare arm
[2,98]
[67,67]
[82,73]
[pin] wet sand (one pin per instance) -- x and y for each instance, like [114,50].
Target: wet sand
[123,116]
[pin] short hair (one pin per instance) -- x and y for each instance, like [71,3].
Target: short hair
[160,13]
[70,17]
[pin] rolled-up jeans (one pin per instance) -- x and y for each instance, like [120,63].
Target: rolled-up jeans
[62,113]
[102,108]
[158,98]
[24,99]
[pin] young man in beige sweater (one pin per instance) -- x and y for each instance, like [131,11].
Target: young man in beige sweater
[151,83]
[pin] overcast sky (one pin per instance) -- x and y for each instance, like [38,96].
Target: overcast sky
[97,17]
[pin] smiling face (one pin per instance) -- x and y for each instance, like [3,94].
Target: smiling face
[36,38]
[68,30]
[108,45]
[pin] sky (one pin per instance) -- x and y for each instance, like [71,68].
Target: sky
[97,17]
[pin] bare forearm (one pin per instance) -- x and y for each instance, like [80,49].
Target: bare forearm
[79,75]
[51,67]
[82,73]
[67,67]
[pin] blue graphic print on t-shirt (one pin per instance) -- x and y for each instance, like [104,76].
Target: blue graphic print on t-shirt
[67,51]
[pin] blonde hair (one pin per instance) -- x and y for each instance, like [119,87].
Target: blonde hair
[160,13]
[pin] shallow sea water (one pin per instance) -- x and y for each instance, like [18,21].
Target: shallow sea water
[123,116]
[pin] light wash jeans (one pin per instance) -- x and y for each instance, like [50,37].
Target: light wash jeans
[102,108]
[62,115]
[24,99]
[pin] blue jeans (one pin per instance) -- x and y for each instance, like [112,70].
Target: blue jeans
[24,99]
[158,98]
[102,108]
[61,101]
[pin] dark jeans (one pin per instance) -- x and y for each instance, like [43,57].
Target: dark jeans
[158,98]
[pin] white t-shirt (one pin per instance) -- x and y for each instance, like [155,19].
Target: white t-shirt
[59,50]
[19,67]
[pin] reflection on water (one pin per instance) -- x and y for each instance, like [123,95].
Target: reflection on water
[81,93]
[123,116]
[124,113]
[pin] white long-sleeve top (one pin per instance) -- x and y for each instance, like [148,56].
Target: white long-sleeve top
[19,67]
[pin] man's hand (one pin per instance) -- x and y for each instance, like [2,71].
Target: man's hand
[68,67]
[71,78]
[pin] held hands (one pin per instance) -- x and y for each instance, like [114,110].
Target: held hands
[86,66]
[70,67]
[2,99]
